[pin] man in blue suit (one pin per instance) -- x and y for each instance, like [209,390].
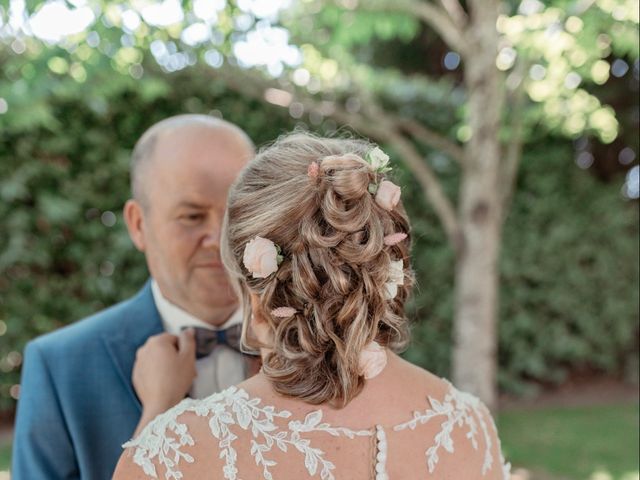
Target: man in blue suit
[83,392]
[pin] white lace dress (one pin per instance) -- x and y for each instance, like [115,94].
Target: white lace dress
[248,440]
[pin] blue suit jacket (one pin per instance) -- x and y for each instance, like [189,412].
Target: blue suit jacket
[77,403]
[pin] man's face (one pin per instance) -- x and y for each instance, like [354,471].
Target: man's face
[186,190]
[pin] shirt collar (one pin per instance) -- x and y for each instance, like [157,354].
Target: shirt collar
[174,318]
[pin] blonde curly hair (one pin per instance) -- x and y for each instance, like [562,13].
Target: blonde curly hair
[331,232]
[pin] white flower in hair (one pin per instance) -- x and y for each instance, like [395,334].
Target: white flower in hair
[378,160]
[396,277]
[261,257]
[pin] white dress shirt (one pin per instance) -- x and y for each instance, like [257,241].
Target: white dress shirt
[223,368]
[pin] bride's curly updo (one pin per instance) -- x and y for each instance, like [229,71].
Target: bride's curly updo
[312,197]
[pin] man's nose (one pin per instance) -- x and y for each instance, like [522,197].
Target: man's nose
[212,239]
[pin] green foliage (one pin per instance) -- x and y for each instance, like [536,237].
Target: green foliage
[597,442]
[569,263]
[569,269]
[563,51]
[64,251]
[344,28]
[5,456]
[569,273]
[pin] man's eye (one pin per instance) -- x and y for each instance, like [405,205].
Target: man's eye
[192,217]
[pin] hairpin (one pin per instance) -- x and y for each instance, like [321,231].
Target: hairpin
[394,238]
[283,312]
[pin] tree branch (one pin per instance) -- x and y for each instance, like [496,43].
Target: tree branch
[430,138]
[441,22]
[430,185]
[436,17]
[422,134]
[581,7]
[456,12]
[513,155]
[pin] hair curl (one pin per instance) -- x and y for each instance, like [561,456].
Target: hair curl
[335,266]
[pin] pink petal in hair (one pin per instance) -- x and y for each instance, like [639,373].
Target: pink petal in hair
[313,170]
[394,238]
[283,312]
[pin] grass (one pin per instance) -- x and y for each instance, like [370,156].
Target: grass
[5,456]
[576,443]
[573,443]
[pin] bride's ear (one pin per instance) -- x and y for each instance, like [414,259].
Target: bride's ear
[257,317]
[133,217]
[259,324]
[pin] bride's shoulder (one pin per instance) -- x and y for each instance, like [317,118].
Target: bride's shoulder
[434,392]
[417,381]
[455,421]
[423,383]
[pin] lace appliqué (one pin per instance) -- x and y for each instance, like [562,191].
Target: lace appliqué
[459,409]
[234,407]
[228,408]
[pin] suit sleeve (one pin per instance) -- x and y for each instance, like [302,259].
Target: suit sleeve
[42,447]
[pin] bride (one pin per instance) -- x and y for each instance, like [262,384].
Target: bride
[317,243]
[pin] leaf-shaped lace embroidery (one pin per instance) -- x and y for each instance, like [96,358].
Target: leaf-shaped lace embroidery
[153,442]
[234,407]
[229,408]
[460,409]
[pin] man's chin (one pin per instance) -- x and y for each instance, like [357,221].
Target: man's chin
[211,269]
[215,295]
[208,278]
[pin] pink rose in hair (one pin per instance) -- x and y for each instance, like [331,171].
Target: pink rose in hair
[388,195]
[373,359]
[260,257]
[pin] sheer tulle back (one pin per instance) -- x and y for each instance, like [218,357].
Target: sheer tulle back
[236,435]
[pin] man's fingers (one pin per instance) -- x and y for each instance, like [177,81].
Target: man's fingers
[164,338]
[163,341]
[187,343]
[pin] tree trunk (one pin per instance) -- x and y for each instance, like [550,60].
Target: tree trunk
[476,297]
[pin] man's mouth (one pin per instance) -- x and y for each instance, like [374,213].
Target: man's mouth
[209,264]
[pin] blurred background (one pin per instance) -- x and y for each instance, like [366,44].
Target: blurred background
[513,129]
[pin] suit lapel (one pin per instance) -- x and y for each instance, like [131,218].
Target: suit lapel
[142,321]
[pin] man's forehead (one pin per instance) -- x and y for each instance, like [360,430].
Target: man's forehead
[188,194]
[197,169]
[218,146]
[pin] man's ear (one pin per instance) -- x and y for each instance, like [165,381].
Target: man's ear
[134,219]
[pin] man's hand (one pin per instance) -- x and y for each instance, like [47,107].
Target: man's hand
[163,372]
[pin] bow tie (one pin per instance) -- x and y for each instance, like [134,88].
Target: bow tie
[207,340]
